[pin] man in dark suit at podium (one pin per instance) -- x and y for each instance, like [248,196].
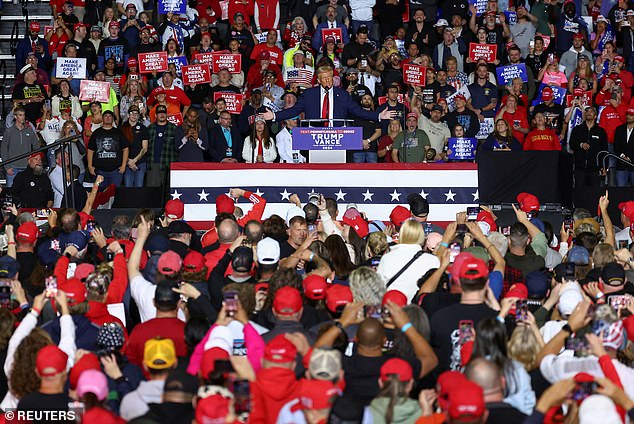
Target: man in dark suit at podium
[327,102]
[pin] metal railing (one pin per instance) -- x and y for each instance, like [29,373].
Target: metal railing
[605,156]
[3,84]
[66,144]
[15,35]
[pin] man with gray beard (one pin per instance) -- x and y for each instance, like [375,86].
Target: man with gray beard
[32,187]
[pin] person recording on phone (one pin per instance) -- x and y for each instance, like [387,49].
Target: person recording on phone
[327,103]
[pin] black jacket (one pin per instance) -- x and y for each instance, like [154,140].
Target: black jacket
[597,138]
[623,146]
[218,144]
[33,191]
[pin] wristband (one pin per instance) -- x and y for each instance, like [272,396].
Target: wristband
[599,295]
[339,325]
[10,243]
[312,255]
[567,328]
[35,311]
[499,319]
[406,327]
[443,244]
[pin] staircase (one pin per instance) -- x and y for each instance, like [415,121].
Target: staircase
[13,24]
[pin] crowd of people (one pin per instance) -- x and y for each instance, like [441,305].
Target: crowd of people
[317,318]
[574,95]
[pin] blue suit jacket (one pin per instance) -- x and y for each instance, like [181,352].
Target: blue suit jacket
[317,38]
[310,103]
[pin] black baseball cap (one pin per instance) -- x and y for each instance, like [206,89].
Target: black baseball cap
[417,204]
[242,259]
[179,227]
[179,380]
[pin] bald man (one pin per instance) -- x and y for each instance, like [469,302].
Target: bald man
[362,369]
[488,375]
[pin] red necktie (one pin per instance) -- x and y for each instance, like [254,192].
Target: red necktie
[33,45]
[325,109]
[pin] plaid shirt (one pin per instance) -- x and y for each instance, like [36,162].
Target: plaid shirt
[511,276]
[169,154]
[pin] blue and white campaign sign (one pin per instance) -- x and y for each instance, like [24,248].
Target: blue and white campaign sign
[486,128]
[74,67]
[481,6]
[559,94]
[179,61]
[506,73]
[328,138]
[175,6]
[451,100]
[461,148]
[511,17]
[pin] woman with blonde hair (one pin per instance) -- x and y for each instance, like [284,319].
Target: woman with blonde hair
[406,262]
[26,342]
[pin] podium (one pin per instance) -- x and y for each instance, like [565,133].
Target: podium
[327,144]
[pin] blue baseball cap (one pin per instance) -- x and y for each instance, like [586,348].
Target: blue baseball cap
[9,267]
[78,239]
[579,255]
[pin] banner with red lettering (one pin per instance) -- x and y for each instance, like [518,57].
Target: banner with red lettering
[414,74]
[233,100]
[479,51]
[152,62]
[331,32]
[205,57]
[94,91]
[196,74]
[176,119]
[231,61]
[586,99]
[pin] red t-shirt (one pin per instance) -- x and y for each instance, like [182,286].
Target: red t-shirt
[167,328]
[611,118]
[277,56]
[542,140]
[385,141]
[57,43]
[518,117]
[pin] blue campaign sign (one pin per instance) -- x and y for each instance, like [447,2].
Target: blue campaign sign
[175,6]
[559,94]
[506,73]
[179,61]
[328,138]
[511,17]
[461,148]
[481,6]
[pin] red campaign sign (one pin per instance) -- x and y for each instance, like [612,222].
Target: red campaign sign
[205,57]
[586,99]
[176,119]
[47,28]
[479,51]
[546,41]
[331,32]
[152,62]
[406,12]
[94,91]
[231,61]
[383,99]
[414,74]
[196,74]
[233,100]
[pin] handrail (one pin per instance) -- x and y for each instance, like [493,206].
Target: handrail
[61,142]
[15,35]
[607,155]
[3,81]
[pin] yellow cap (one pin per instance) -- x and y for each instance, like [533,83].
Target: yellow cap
[159,354]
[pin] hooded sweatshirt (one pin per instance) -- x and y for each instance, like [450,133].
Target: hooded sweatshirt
[135,403]
[273,388]
[406,411]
